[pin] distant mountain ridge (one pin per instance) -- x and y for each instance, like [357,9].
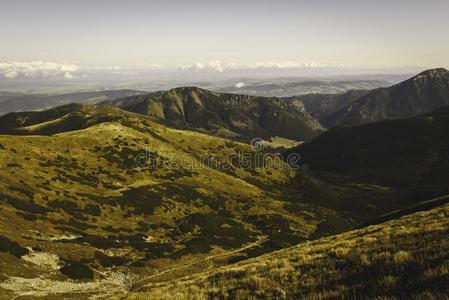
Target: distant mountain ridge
[423,93]
[226,115]
[321,106]
[15,102]
[278,87]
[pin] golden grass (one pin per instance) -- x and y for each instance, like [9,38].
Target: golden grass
[406,258]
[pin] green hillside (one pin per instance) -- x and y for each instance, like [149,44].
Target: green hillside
[116,194]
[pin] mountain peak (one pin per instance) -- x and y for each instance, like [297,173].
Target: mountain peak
[189,89]
[420,94]
[438,72]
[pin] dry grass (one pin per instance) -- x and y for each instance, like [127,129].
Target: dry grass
[405,258]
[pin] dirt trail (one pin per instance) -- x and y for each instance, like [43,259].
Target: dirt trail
[108,289]
[141,283]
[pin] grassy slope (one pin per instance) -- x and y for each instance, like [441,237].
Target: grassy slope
[401,259]
[79,196]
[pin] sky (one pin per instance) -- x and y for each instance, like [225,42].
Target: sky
[64,36]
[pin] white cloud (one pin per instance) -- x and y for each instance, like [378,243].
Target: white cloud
[37,69]
[289,65]
[52,70]
[239,85]
[11,74]
[218,66]
[103,68]
[215,66]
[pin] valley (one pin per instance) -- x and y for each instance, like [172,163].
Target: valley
[189,192]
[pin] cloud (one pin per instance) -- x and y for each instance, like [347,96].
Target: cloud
[103,68]
[218,66]
[214,66]
[11,74]
[53,70]
[37,69]
[239,85]
[289,65]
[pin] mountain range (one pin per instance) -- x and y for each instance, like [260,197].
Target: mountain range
[288,87]
[420,94]
[227,115]
[320,106]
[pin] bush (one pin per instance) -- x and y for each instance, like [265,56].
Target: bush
[402,257]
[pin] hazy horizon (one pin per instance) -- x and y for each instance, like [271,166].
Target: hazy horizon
[67,39]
